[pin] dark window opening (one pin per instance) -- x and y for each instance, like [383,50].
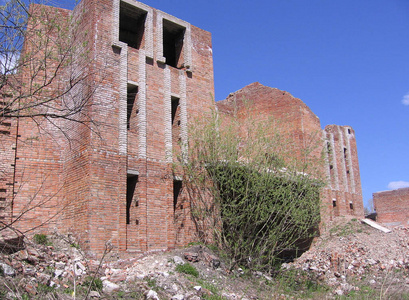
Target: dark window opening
[131,182]
[175,119]
[347,171]
[331,167]
[173,36]
[349,131]
[131,25]
[2,199]
[175,105]
[351,206]
[345,152]
[334,203]
[177,188]
[3,190]
[328,147]
[130,102]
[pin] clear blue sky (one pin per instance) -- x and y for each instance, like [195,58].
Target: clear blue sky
[348,60]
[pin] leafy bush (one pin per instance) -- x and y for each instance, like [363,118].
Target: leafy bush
[256,191]
[187,268]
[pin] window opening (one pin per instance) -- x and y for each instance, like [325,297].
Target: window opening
[351,205]
[334,203]
[173,36]
[177,188]
[175,106]
[131,182]
[349,131]
[131,25]
[345,153]
[175,123]
[130,102]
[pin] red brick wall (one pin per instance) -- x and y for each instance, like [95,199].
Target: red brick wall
[288,115]
[75,172]
[392,207]
[301,129]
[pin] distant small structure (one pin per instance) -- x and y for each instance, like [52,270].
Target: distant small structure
[392,207]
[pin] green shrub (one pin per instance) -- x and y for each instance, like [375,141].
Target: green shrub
[187,268]
[41,239]
[250,186]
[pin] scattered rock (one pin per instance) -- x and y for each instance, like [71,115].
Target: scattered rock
[152,295]
[178,260]
[94,294]
[110,287]
[7,270]
[192,256]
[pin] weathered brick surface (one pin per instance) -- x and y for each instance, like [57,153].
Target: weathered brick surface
[75,174]
[83,178]
[344,193]
[392,207]
[301,129]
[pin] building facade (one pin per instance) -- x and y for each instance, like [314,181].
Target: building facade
[107,175]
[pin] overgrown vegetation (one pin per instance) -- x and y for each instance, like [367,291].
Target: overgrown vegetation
[252,191]
[41,239]
[187,268]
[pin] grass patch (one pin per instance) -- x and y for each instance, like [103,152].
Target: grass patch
[95,283]
[41,239]
[187,268]
[300,282]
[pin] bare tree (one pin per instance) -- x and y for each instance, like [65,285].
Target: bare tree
[47,79]
[43,63]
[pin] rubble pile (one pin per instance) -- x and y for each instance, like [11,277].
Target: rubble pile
[56,264]
[61,267]
[344,258]
[359,252]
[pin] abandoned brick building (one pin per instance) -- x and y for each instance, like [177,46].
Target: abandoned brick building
[112,179]
[392,207]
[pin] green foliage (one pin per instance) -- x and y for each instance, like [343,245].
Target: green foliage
[41,239]
[300,282]
[25,297]
[95,283]
[187,268]
[152,282]
[68,291]
[349,228]
[75,245]
[263,215]
[214,297]
[44,289]
[257,190]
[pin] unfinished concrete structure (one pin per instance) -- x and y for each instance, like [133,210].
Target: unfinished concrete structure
[112,179]
[392,207]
